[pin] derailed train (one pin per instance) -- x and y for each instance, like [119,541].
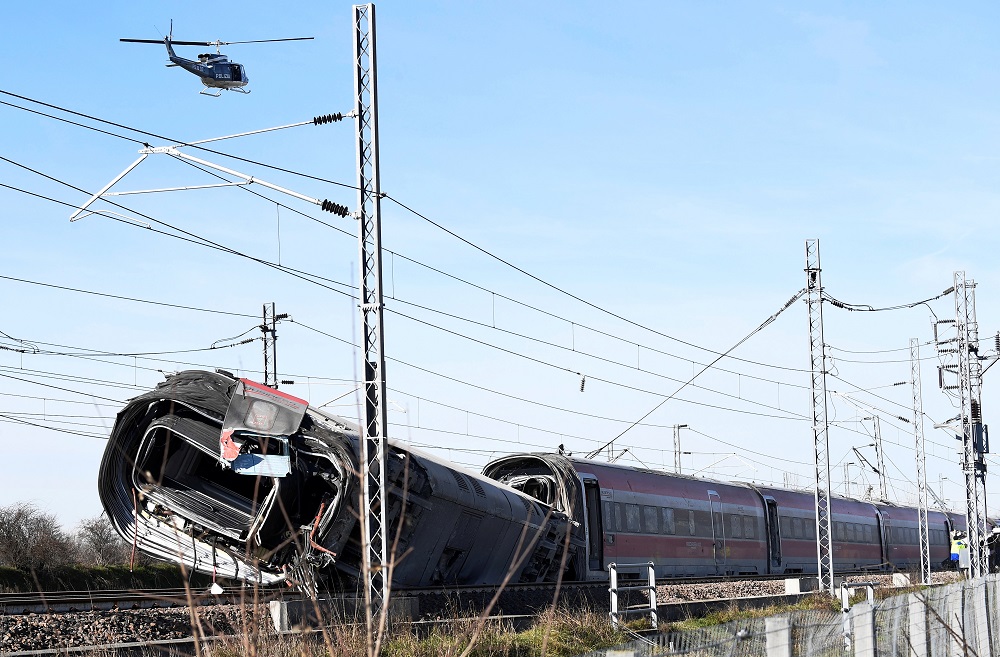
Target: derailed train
[239,480]
[235,479]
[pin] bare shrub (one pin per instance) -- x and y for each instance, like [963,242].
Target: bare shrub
[98,544]
[31,539]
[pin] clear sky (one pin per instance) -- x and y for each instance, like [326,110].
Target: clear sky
[664,162]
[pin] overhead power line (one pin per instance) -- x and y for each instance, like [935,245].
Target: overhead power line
[394,200]
[798,295]
[862,307]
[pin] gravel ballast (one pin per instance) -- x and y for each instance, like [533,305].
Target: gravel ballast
[41,631]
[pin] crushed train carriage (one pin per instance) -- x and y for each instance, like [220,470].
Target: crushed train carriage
[239,480]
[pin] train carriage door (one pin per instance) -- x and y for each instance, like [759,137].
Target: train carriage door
[718,530]
[773,533]
[595,526]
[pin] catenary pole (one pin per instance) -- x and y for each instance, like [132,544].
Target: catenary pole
[821,451]
[373,444]
[918,437]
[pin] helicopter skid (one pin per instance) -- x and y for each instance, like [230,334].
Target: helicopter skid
[218,91]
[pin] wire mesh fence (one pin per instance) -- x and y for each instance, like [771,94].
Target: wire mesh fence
[960,619]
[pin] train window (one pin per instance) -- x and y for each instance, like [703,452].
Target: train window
[737,526]
[749,524]
[868,533]
[796,527]
[810,529]
[651,519]
[691,526]
[609,516]
[850,532]
[786,526]
[619,516]
[632,518]
[668,520]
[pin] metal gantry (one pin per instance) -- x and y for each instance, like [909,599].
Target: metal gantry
[373,444]
[814,301]
[973,434]
[918,438]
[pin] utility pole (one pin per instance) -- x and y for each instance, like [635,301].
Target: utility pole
[880,460]
[960,355]
[373,443]
[269,330]
[821,450]
[677,446]
[918,437]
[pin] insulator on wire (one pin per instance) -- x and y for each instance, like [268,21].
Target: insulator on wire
[583,382]
[287,382]
[335,208]
[327,118]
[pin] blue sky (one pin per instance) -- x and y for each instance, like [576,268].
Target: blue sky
[666,163]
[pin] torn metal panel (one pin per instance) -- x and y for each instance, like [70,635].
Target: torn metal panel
[231,477]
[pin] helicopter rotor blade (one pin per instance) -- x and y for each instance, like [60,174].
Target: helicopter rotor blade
[176,43]
[229,43]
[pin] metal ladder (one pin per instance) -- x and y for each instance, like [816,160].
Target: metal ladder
[649,586]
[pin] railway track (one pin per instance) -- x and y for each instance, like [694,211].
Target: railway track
[162,630]
[75,601]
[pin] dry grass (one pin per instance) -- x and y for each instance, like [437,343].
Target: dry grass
[570,632]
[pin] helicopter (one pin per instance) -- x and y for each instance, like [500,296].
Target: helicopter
[217,72]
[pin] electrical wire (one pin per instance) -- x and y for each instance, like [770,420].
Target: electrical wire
[124,298]
[562,368]
[396,201]
[550,406]
[577,298]
[50,428]
[307,278]
[878,351]
[867,308]
[798,295]
[176,142]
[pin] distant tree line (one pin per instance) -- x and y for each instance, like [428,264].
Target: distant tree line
[34,540]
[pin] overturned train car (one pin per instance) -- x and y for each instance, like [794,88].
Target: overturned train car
[239,480]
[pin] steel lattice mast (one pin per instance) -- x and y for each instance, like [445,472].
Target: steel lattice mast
[970,386]
[270,335]
[373,444]
[918,437]
[814,301]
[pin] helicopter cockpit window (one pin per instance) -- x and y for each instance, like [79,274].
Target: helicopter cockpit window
[235,72]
